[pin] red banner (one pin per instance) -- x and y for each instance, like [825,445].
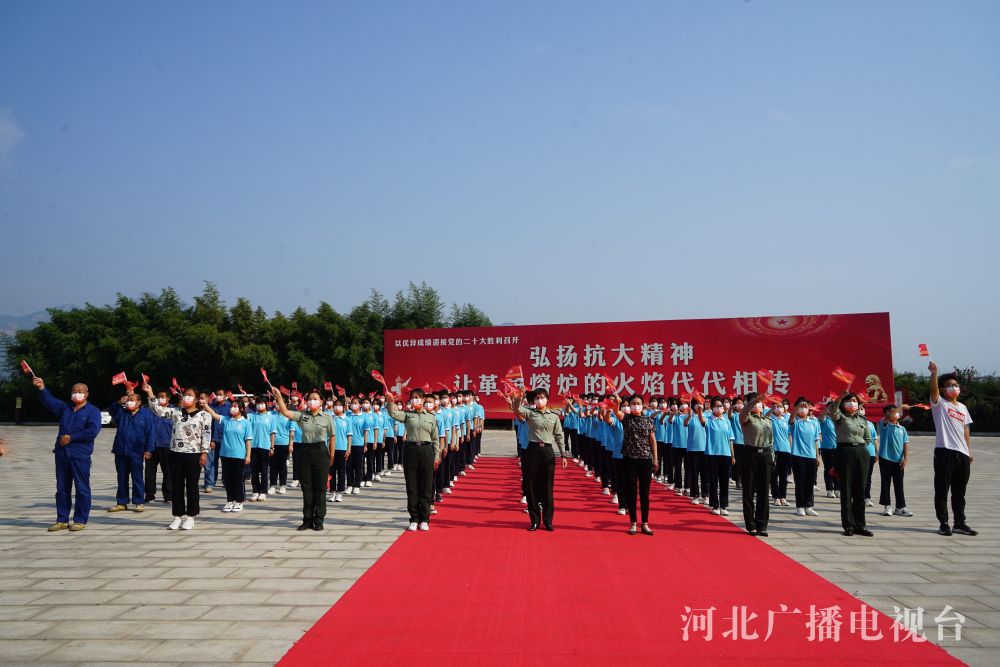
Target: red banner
[667,357]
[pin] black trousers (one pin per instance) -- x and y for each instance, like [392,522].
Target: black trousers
[868,480]
[852,468]
[356,467]
[390,451]
[315,467]
[279,466]
[232,479]
[161,460]
[637,472]
[418,471]
[296,460]
[891,473]
[738,455]
[678,457]
[369,466]
[663,458]
[696,474]
[571,445]
[380,457]
[951,473]
[185,470]
[524,477]
[607,469]
[779,478]
[804,472]
[259,460]
[718,481]
[540,471]
[829,461]
[338,471]
[756,467]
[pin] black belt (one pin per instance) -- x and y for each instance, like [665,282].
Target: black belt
[759,449]
[310,443]
[850,444]
[540,444]
[411,442]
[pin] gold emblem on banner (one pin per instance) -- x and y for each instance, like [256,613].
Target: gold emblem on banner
[875,389]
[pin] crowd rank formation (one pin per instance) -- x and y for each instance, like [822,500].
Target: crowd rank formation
[338,445]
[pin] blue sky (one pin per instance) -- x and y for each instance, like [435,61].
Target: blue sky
[636,160]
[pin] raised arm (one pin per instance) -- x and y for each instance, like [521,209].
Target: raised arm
[935,392]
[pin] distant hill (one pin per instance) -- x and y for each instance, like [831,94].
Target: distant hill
[11,323]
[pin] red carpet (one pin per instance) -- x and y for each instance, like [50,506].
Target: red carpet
[479,589]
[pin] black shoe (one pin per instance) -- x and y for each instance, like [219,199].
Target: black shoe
[167,500]
[848,532]
[549,527]
[944,530]
[317,525]
[865,532]
[762,533]
[437,497]
[964,530]
[306,525]
[646,530]
[751,531]
[533,527]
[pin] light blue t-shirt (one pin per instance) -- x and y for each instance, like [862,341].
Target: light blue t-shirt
[720,434]
[697,434]
[661,428]
[262,426]
[805,433]
[780,426]
[734,423]
[873,441]
[829,434]
[356,421]
[446,423]
[521,430]
[381,425]
[341,427]
[235,433]
[617,435]
[281,426]
[679,431]
[891,439]
[368,425]
[296,432]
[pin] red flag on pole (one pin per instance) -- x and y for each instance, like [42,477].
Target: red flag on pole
[381,380]
[284,390]
[130,385]
[610,383]
[264,373]
[145,378]
[921,406]
[843,376]
[515,373]
[698,396]
[327,386]
[340,390]
[685,397]
[765,376]
[26,368]
[180,389]
[924,352]
[864,397]
[240,387]
[119,378]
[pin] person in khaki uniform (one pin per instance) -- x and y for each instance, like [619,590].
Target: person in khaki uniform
[544,430]
[421,455]
[756,465]
[853,460]
[319,439]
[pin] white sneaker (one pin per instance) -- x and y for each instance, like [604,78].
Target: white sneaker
[869,503]
[378,478]
[228,507]
[424,526]
[462,473]
[187,523]
[355,491]
[696,501]
[349,491]
[412,526]
[887,510]
[800,511]
[524,500]
[294,484]
[175,524]
[836,494]
[671,487]
[399,466]
[902,511]
[621,510]
[829,494]
[811,512]
[614,498]
[452,482]
[724,512]
[472,467]
[716,511]
[338,498]
[368,485]
[704,500]
[271,490]
[254,497]
[281,490]
[606,491]
[330,497]
[387,473]
[262,497]
[434,510]
[237,507]
[447,489]
[597,479]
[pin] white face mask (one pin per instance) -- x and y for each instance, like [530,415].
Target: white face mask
[163,401]
[261,407]
[366,406]
[738,407]
[850,406]
[130,405]
[355,407]
[377,407]
[188,400]
[757,407]
[778,410]
[653,405]
[540,403]
[952,392]
[416,403]
[803,412]
[338,409]
[77,397]
[234,411]
[684,407]
[717,410]
[627,409]
[429,405]
[314,404]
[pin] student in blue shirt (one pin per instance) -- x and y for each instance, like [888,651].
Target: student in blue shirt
[872,447]
[342,448]
[382,424]
[616,434]
[828,451]
[265,433]
[371,429]
[161,451]
[697,466]
[234,454]
[283,438]
[733,413]
[720,455]
[135,440]
[356,454]
[678,448]
[782,455]
[79,424]
[657,411]
[295,404]
[521,431]
[892,455]
[806,434]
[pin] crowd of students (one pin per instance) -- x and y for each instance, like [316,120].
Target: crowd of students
[699,449]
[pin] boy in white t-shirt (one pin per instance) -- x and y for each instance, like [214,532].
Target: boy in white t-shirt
[952,451]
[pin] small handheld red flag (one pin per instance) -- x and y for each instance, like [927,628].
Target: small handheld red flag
[145,378]
[921,406]
[26,368]
[130,385]
[211,397]
[765,376]
[698,396]
[864,397]
[264,373]
[240,387]
[180,389]
[731,395]
[515,373]
[340,390]
[843,376]
[284,390]
[924,352]
[327,386]
[378,378]
[295,384]
[685,397]
[610,383]
[119,378]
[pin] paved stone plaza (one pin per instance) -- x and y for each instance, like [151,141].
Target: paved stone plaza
[242,588]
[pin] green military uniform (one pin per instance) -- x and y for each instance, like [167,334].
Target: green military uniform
[317,432]
[756,465]
[544,431]
[421,455]
[852,465]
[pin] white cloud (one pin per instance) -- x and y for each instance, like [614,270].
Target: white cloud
[10,135]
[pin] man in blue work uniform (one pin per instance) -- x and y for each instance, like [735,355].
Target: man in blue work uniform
[79,424]
[134,442]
